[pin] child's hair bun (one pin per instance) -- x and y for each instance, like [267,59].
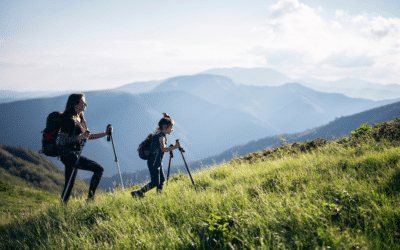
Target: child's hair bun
[166,120]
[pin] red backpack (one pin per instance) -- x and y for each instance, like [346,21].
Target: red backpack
[50,133]
[144,148]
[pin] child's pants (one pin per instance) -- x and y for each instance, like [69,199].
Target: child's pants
[156,172]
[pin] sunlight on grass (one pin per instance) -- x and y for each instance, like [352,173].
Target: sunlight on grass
[333,197]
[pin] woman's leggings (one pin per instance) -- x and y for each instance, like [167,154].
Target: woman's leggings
[84,164]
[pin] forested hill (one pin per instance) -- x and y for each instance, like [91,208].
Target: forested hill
[27,168]
[28,180]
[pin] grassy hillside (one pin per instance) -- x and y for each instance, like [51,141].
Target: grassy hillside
[28,181]
[319,194]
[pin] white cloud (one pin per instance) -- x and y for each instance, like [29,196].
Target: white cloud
[301,42]
[383,27]
[292,37]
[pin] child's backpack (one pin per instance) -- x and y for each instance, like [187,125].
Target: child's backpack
[50,133]
[144,148]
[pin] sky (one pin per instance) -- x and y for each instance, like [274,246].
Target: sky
[92,45]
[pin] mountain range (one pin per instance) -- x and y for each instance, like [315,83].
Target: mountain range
[288,108]
[354,88]
[213,113]
[12,96]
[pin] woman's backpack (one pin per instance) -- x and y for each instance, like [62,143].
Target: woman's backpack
[144,148]
[50,133]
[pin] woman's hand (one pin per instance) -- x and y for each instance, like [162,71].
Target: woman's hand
[109,130]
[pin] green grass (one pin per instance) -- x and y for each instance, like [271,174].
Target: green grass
[333,195]
[21,201]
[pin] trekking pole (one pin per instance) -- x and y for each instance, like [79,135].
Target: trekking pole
[74,169]
[171,155]
[116,159]
[183,157]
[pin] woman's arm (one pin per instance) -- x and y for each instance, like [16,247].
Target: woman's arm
[101,135]
[97,136]
[63,139]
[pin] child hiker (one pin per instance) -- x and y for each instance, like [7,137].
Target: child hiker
[158,148]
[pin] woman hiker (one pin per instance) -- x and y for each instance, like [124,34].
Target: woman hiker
[73,131]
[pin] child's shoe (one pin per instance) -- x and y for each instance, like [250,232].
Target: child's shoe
[137,194]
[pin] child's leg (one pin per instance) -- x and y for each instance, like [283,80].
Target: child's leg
[154,176]
[162,179]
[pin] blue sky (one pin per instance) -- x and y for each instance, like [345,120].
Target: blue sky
[86,45]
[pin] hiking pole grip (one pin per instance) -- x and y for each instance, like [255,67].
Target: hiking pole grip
[180,148]
[108,133]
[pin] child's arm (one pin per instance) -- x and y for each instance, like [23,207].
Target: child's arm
[167,149]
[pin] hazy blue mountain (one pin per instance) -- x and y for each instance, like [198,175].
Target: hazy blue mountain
[215,89]
[288,108]
[11,96]
[139,87]
[294,108]
[354,88]
[252,76]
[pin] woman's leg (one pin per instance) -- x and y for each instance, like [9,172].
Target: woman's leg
[69,162]
[97,169]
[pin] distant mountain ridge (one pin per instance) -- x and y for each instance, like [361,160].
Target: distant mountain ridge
[252,76]
[354,88]
[139,87]
[12,96]
[288,108]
